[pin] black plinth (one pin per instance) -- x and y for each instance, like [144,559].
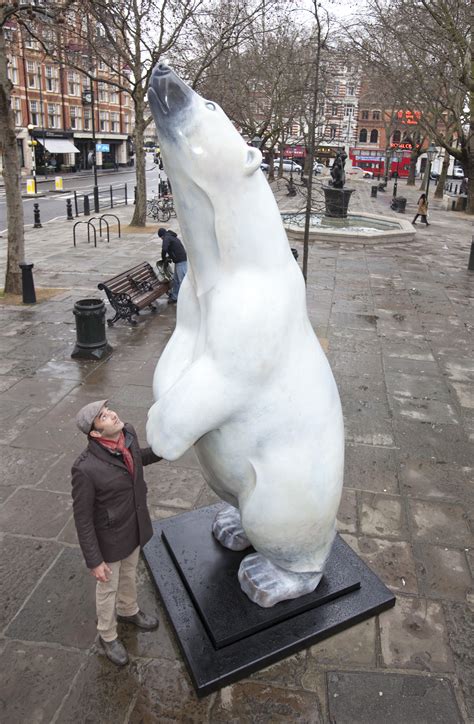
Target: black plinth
[337,201]
[222,635]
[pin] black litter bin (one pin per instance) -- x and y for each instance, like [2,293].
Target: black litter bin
[91,342]
[373,192]
[401,204]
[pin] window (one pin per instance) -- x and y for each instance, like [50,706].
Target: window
[104,121]
[363,135]
[336,89]
[115,122]
[350,90]
[334,110]
[332,132]
[31,43]
[75,116]
[349,111]
[396,138]
[376,115]
[100,65]
[35,114]
[365,115]
[17,111]
[12,70]
[51,78]
[103,95]
[113,95]
[87,119]
[126,120]
[72,83]
[31,74]
[53,115]
[374,136]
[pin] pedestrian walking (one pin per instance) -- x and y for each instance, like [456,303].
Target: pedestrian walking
[422,210]
[112,519]
[173,249]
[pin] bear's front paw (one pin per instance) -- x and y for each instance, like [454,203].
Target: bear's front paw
[227,529]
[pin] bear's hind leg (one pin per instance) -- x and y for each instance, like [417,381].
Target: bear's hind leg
[267,584]
[227,529]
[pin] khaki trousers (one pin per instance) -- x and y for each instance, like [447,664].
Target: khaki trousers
[117,596]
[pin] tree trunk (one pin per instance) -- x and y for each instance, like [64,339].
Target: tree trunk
[11,175]
[439,193]
[412,170]
[139,214]
[470,164]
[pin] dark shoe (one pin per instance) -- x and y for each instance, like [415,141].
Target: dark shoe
[142,620]
[115,651]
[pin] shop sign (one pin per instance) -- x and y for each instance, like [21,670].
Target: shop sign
[102,147]
[410,118]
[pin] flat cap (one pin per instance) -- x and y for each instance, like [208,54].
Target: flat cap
[86,415]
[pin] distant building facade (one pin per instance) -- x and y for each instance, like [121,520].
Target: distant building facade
[55,113]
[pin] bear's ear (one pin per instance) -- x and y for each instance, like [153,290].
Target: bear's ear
[253,160]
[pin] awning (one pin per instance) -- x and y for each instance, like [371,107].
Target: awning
[58,145]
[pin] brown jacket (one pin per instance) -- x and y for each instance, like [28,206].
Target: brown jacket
[110,510]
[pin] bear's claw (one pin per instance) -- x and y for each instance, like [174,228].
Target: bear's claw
[227,529]
[267,584]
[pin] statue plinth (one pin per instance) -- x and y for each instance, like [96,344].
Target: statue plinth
[337,201]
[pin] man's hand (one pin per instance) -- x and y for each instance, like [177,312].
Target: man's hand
[101,572]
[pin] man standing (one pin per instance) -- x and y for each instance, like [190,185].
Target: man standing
[173,249]
[112,519]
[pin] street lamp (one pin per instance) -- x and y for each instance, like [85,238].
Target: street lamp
[388,158]
[88,100]
[396,158]
[431,154]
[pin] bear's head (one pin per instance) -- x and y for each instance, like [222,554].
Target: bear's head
[199,143]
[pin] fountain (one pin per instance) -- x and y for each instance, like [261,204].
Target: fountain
[336,196]
[337,225]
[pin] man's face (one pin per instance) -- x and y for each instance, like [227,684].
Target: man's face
[107,424]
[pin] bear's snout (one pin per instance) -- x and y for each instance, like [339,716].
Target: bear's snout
[161,69]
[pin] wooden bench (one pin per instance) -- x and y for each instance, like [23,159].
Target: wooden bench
[133,290]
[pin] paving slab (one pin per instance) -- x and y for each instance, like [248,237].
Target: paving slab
[35,679]
[359,698]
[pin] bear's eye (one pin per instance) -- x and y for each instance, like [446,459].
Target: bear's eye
[211,106]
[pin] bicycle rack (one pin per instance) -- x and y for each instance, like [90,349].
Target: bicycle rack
[100,218]
[88,232]
[115,217]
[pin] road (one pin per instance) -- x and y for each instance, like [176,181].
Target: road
[53,205]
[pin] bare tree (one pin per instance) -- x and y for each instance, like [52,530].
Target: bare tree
[22,13]
[427,59]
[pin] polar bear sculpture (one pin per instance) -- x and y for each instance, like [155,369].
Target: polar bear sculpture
[243,378]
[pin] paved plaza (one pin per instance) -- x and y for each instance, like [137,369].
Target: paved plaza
[396,322]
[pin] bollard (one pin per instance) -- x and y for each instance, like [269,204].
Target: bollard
[91,341]
[135,196]
[69,216]
[294,252]
[126,196]
[36,217]
[76,207]
[87,206]
[470,266]
[28,285]
[111,197]
[373,192]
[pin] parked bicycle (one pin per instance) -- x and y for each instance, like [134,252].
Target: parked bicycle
[161,209]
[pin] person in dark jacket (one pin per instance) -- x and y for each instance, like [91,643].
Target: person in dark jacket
[112,519]
[173,249]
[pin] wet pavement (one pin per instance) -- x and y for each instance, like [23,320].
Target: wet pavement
[396,321]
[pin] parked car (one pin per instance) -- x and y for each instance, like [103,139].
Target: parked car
[458,172]
[288,165]
[318,168]
[359,170]
[264,166]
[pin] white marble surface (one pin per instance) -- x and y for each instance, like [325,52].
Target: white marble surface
[243,378]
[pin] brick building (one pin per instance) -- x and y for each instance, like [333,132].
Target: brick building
[53,112]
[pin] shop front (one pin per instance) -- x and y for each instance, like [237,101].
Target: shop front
[55,152]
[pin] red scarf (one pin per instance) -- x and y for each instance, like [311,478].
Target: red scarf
[119,446]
